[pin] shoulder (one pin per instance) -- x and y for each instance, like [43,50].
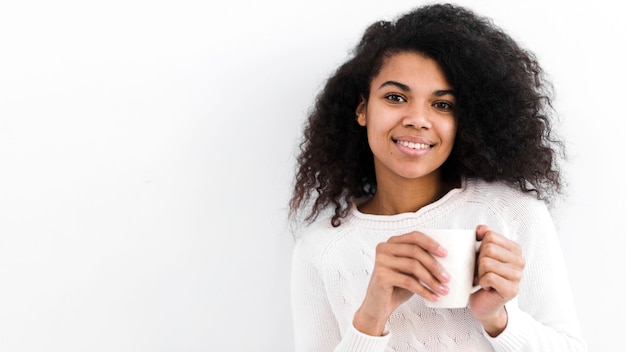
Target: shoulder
[502,196]
[520,212]
[314,239]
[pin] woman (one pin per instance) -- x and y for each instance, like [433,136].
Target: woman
[439,120]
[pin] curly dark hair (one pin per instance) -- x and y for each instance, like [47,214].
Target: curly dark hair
[503,110]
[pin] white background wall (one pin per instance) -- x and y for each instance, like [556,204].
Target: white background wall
[146,157]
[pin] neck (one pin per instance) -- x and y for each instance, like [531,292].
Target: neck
[407,195]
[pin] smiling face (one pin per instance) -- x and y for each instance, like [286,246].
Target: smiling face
[409,116]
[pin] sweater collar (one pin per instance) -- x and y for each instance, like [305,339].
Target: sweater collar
[453,196]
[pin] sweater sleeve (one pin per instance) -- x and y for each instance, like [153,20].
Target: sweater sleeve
[315,326]
[543,316]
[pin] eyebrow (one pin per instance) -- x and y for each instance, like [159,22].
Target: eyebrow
[440,93]
[404,87]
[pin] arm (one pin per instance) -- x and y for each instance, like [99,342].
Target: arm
[315,326]
[543,316]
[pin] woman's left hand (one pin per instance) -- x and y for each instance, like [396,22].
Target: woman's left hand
[499,271]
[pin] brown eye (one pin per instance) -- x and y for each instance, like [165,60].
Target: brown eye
[396,98]
[443,105]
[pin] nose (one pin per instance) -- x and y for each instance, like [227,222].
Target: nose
[417,116]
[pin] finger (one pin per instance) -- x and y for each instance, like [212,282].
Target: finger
[494,237]
[391,278]
[413,259]
[422,240]
[481,230]
[511,255]
[505,288]
[415,269]
[508,272]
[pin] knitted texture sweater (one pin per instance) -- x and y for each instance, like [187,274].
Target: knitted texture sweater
[332,267]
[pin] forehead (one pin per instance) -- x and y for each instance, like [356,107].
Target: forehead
[412,69]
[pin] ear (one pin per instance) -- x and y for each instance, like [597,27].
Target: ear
[361,109]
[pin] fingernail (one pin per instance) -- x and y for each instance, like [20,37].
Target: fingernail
[445,275]
[444,289]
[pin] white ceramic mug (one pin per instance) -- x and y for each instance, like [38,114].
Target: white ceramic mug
[460,261]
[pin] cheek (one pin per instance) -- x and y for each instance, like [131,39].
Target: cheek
[374,127]
[450,130]
[372,137]
[377,139]
[381,121]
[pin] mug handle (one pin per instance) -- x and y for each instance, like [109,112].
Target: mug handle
[477,287]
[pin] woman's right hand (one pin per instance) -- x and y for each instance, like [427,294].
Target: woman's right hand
[404,266]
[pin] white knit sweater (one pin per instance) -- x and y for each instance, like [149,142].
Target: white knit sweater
[332,267]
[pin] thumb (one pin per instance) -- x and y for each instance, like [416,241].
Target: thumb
[481,231]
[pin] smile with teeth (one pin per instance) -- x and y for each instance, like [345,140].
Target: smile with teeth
[414,145]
